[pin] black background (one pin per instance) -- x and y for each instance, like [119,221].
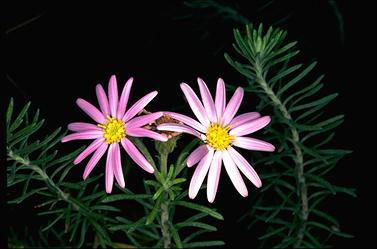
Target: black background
[65,52]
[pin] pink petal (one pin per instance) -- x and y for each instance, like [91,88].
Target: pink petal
[113,96]
[102,100]
[214,176]
[234,174]
[209,105]
[117,166]
[141,132]
[199,174]
[220,99]
[195,104]
[138,106]
[109,173]
[79,126]
[93,134]
[143,120]
[124,98]
[253,144]
[94,159]
[135,154]
[196,155]
[245,167]
[250,127]
[233,106]
[178,128]
[244,118]
[91,110]
[187,120]
[92,147]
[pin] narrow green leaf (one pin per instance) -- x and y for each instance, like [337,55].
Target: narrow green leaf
[100,231]
[329,229]
[84,229]
[200,244]
[46,159]
[196,224]
[322,182]
[152,215]
[68,157]
[25,132]
[65,172]
[51,211]
[9,112]
[296,79]
[325,216]
[316,243]
[349,191]
[194,235]
[284,73]
[76,223]
[27,183]
[178,180]
[19,118]
[320,101]
[20,199]
[119,197]
[170,172]
[281,50]
[158,193]
[273,232]
[200,208]
[137,224]
[152,183]
[176,237]
[53,222]
[92,196]
[283,58]
[50,145]
[304,91]
[35,146]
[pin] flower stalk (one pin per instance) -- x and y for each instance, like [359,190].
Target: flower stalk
[164,149]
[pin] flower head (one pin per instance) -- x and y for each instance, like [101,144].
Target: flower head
[220,132]
[114,123]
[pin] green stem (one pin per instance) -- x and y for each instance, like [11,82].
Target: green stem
[49,182]
[165,221]
[164,164]
[165,204]
[299,157]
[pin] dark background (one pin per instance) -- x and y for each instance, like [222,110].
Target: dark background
[65,50]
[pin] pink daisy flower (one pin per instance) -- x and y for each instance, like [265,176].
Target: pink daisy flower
[220,131]
[113,124]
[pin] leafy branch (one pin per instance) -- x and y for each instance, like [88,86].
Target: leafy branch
[302,136]
[36,166]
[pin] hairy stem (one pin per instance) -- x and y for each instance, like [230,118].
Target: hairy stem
[165,204]
[299,157]
[49,182]
[164,163]
[165,221]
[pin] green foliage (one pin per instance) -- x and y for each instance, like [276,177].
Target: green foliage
[296,176]
[79,213]
[72,208]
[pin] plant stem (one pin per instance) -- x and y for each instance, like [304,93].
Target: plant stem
[164,163]
[165,204]
[49,182]
[299,157]
[165,221]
